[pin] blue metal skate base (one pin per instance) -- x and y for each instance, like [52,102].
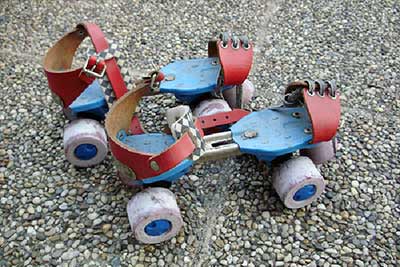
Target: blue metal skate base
[277,132]
[188,79]
[155,143]
[91,102]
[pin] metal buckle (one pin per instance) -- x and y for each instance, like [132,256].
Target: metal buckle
[154,85]
[91,71]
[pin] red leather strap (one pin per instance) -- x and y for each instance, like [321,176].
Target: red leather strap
[136,126]
[144,165]
[96,35]
[324,113]
[236,63]
[115,78]
[222,118]
[69,83]
[140,163]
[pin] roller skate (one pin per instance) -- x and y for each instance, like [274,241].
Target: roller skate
[85,93]
[307,121]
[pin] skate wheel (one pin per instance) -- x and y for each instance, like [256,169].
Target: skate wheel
[322,152]
[85,142]
[210,107]
[248,93]
[154,215]
[298,182]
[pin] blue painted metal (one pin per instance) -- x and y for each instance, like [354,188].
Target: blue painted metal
[85,151]
[155,143]
[277,132]
[305,192]
[188,79]
[171,175]
[91,100]
[152,143]
[158,227]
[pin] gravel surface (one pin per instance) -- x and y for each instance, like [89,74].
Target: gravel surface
[53,214]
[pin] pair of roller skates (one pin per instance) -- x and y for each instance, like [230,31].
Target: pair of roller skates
[212,126]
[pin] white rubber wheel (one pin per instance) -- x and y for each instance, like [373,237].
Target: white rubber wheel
[247,95]
[154,215]
[322,152]
[210,107]
[85,142]
[298,182]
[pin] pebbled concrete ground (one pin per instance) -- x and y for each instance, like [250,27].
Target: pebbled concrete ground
[55,215]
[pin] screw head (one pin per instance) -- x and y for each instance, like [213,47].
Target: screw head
[169,77]
[250,134]
[307,130]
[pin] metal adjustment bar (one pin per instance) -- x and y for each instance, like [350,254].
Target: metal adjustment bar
[239,96]
[219,145]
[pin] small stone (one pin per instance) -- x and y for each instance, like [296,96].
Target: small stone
[31,210]
[106,227]
[73,192]
[31,231]
[116,262]
[36,200]
[92,216]
[266,215]
[69,255]
[63,206]
[97,221]
[331,251]
[193,178]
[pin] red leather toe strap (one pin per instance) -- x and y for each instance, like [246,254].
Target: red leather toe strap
[236,62]
[324,113]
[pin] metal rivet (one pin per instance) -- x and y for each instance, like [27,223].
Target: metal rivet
[132,174]
[170,77]
[250,134]
[297,115]
[154,165]
[214,63]
[307,130]
[310,93]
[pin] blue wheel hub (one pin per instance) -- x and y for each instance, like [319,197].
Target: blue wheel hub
[305,192]
[158,227]
[85,151]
